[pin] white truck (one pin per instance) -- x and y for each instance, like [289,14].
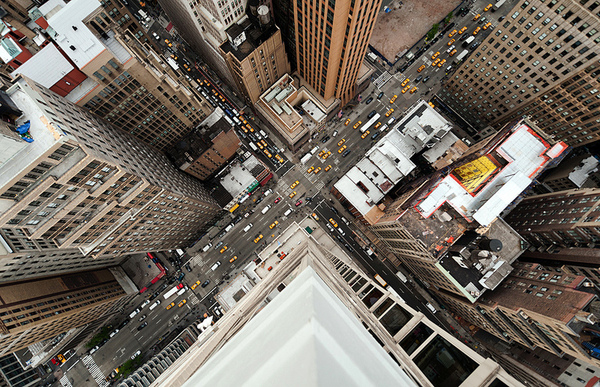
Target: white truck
[498,5]
[462,55]
[172,63]
[402,276]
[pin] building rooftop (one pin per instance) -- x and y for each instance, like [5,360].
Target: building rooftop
[292,328]
[389,160]
[67,28]
[246,36]
[480,189]
[37,69]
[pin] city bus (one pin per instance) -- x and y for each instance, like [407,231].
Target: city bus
[370,123]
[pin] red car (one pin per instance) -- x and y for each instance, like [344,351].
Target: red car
[298,203]
[180,286]
[277,200]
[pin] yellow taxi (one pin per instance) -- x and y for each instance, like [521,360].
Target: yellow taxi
[223,249]
[421,68]
[487,25]
[275,223]
[435,62]
[279,158]
[343,140]
[168,43]
[263,142]
[294,184]
[477,17]
[377,125]
[326,155]
[194,286]
[258,238]
[452,52]
[245,129]
[393,98]
[476,31]
[343,148]
[258,144]
[405,89]
[347,122]
[414,89]
[232,260]
[292,194]
[435,55]
[451,41]
[365,134]
[172,304]
[314,215]
[327,168]
[182,303]
[357,124]
[441,63]
[487,8]
[451,34]
[317,170]
[250,128]
[405,82]
[389,112]
[462,30]
[174,56]
[322,153]
[333,222]
[310,169]
[269,155]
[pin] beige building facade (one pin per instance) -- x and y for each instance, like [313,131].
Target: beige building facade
[542,57]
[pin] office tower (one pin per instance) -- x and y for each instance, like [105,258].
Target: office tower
[448,231]
[202,24]
[38,309]
[15,375]
[100,62]
[208,148]
[579,171]
[293,325]
[331,41]
[255,54]
[540,58]
[538,308]
[84,185]
[560,219]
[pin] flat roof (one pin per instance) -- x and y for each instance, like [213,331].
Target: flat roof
[254,37]
[86,45]
[37,68]
[524,155]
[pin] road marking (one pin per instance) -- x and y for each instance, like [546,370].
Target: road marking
[64,381]
[94,370]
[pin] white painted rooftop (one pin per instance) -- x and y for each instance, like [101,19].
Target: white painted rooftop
[580,174]
[86,45]
[38,67]
[304,337]
[526,154]
[388,162]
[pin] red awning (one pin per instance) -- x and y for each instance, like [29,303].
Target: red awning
[169,27]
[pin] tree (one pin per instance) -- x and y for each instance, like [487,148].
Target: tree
[103,334]
[432,31]
[449,17]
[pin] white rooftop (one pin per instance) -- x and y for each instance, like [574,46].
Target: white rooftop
[388,162]
[304,337]
[237,180]
[526,154]
[38,67]
[86,45]
[580,174]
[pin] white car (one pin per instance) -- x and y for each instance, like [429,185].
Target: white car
[136,354]
[452,47]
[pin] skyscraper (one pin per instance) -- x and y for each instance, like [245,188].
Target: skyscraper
[538,308]
[539,61]
[331,41]
[38,309]
[317,299]
[86,188]
[449,232]
[114,71]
